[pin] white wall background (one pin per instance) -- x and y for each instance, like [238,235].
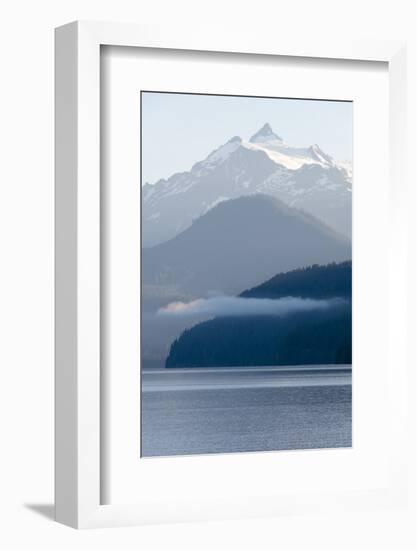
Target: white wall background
[26,269]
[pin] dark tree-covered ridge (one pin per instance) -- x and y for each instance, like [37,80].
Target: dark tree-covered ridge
[311,337]
[316,281]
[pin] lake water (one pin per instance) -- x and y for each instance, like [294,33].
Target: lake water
[224,410]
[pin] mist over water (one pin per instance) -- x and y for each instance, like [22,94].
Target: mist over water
[232,306]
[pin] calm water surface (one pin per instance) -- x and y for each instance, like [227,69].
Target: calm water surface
[223,410]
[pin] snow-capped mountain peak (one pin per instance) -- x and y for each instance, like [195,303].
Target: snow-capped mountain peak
[292,157]
[264,135]
[320,156]
[219,155]
[265,140]
[304,177]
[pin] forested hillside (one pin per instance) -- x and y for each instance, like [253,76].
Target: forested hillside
[322,336]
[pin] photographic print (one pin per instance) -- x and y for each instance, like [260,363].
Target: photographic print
[246,274]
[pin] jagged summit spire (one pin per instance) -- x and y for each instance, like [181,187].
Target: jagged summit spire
[265,134]
[319,155]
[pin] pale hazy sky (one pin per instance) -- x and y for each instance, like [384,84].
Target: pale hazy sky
[181,129]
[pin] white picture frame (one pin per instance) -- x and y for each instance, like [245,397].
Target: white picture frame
[78,266]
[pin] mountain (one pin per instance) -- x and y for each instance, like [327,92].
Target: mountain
[238,243]
[304,177]
[315,281]
[265,134]
[319,334]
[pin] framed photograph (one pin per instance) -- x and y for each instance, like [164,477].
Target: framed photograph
[246,276]
[230,240]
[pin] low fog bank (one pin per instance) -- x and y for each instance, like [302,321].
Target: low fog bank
[232,306]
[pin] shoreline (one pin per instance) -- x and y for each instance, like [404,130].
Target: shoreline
[234,378]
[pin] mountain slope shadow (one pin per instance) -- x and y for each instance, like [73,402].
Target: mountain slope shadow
[239,243]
